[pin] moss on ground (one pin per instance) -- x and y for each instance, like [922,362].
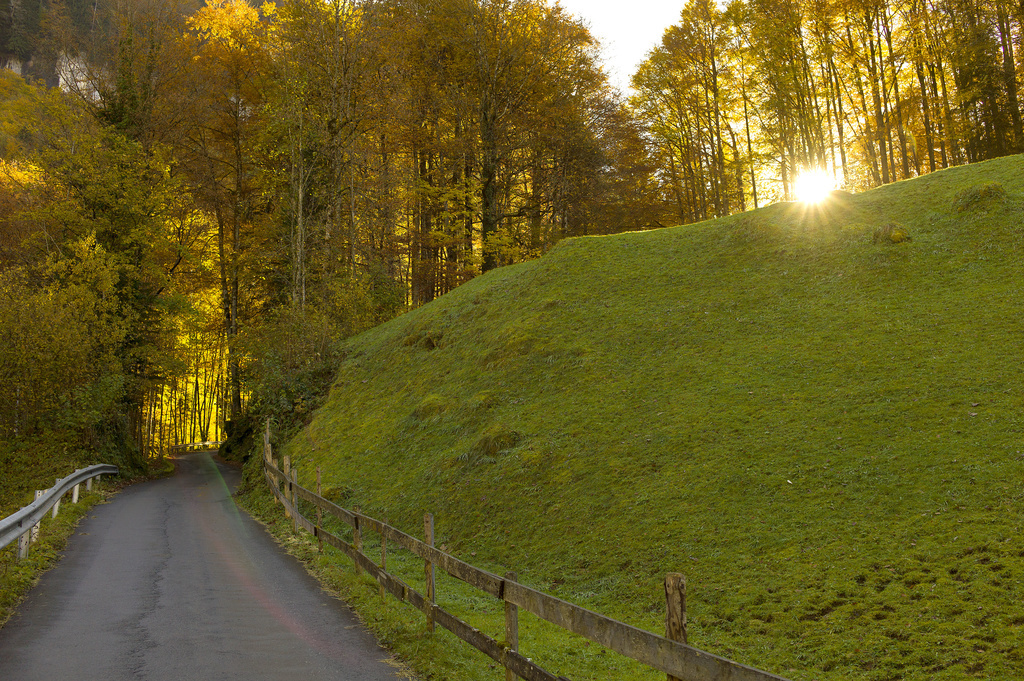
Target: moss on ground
[823,433]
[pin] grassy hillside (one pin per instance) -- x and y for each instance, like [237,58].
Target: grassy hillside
[822,432]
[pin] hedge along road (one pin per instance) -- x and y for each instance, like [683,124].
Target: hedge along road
[170,580]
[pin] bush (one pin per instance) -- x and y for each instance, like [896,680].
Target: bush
[291,357]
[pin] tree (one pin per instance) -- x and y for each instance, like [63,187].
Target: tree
[218,144]
[90,263]
[60,355]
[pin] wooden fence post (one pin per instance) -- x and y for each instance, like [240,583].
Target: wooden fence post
[319,512]
[287,485]
[675,615]
[276,482]
[357,537]
[295,499]
[383,556]
[428,532]
[511,628]
[267,456]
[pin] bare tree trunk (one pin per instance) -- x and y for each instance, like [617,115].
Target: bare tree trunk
[1010,76]
[750,147]
[900,132]
[489,219]
[876,97]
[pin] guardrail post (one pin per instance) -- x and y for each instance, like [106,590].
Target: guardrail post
[74,494]
[56,505]
[511,628]
[357,537]
[88,485]
[675,616]
[428,531]
[34,533]
[23,542]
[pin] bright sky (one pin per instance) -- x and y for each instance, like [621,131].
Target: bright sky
[627,29]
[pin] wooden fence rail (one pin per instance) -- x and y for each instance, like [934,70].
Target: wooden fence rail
[673,657]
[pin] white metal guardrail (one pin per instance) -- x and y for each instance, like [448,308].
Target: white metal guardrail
[198,446]
[24,524]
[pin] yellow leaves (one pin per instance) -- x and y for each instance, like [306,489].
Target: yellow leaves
[90,268]
[19,184]
[234,23]
[18,175]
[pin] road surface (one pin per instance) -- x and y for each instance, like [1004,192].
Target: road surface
[171,581]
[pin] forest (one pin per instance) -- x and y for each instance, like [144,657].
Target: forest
[199,202]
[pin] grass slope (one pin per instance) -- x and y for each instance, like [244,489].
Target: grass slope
[823,433]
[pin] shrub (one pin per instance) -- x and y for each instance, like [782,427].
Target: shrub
[292,354]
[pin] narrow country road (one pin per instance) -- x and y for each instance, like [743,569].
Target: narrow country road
[171,581]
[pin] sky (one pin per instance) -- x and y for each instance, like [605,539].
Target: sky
[627,29]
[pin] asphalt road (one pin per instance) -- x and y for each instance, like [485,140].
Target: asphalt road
[170,580]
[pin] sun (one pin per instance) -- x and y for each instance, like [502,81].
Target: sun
[813,186]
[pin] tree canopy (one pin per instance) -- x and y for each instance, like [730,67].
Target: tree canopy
[239,178]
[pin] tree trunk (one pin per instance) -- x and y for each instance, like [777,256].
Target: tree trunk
[489,217]
[869,134]
[750,146]
[876,98]
[900,132]
[1010,77]
[926,112]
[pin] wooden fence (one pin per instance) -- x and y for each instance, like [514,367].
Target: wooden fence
[667,654]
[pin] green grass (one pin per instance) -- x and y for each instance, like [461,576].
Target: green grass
[34,463]
[823,433]
[29,464]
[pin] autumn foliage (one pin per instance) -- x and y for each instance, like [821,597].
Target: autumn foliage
[297,172]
